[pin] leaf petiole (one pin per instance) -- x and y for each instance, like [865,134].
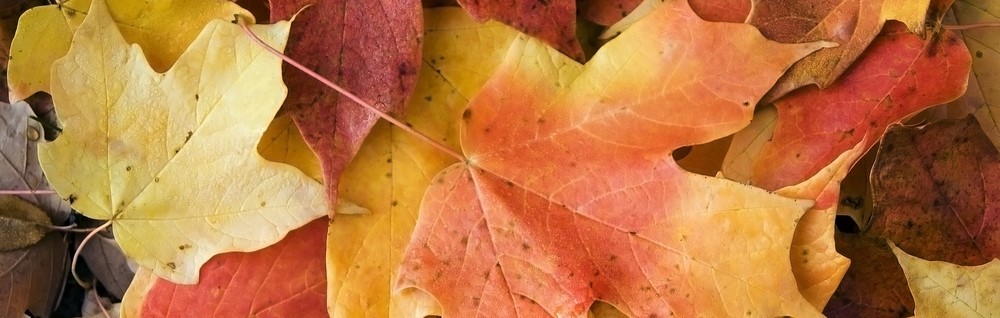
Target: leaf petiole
[76,255]
[97,299]
[69,228]
[27,192]
[45,124]
[971,26]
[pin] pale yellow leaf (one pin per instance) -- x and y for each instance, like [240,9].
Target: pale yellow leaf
[171,158]
[942,289]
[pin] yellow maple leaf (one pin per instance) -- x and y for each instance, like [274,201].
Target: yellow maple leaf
[171,158]
[163,28]
[942,289]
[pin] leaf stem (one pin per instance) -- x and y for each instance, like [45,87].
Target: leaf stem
[971,26]
[100,304]
[68,228]
[27,192]
[349,95]
[45,124]
[76,255]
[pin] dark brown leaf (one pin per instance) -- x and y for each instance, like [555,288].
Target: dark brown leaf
[33,278]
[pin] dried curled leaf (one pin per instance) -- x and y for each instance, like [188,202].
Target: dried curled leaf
[21,223]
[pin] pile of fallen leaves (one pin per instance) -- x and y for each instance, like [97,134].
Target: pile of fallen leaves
[538,158]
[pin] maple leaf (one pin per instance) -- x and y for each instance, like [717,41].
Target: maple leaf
[393,169]
[44,34]
[378,68]
[983,43]
[851,23]
[286,279]
[935,195]
[560,206]
[900,74]
[170,158]
[552,21]
[942,289]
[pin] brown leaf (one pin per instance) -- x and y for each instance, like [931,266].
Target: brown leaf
[33,278]
[734,11]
